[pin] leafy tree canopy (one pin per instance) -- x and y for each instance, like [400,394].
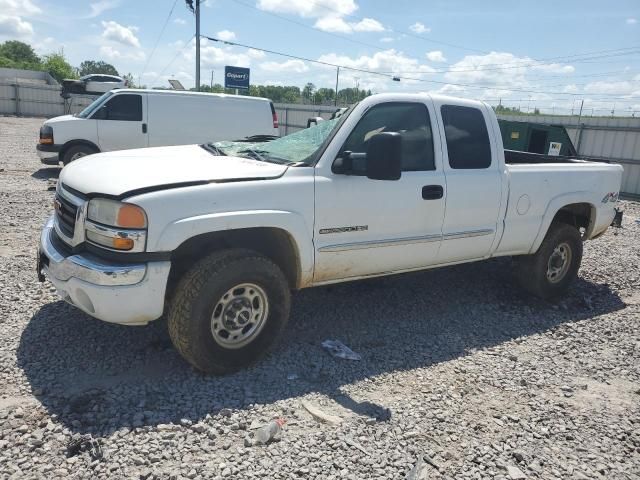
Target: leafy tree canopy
[92,66]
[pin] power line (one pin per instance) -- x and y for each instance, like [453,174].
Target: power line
[176,56]
[144,69]
[393,77]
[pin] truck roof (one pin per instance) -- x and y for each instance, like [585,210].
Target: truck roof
[187,92]
[423,95]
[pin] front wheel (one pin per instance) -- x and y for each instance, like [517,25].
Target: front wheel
[75,152]
[549,272]
[228,310]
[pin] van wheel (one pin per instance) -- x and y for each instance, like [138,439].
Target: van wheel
[228,310]
[75,152]
[549,272]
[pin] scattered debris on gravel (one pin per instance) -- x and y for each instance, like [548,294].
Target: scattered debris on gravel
[462,375]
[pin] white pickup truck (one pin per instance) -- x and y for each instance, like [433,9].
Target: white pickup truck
[217,236]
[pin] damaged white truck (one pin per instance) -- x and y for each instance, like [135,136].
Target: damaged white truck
[217,236]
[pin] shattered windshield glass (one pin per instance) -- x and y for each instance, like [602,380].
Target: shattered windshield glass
[299,147]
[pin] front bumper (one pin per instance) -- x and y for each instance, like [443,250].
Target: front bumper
[49,154]
[125,293]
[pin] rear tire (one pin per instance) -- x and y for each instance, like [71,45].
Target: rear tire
[75,152]
[228,310]
[549,272]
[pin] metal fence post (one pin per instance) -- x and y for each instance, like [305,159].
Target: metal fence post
[17,97]
[579,138]
[286,121]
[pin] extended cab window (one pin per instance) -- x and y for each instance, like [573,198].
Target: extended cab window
[410,120]
[467,137]
[126,107]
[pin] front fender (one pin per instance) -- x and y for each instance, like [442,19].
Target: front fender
[174,234]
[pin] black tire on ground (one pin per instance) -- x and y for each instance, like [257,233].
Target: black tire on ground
[542,273]
[76,151]
[197,301]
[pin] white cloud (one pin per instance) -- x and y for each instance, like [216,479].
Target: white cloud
[12,18]
[22,8]
[623,88]
[386,39]
[436,56]
[333,24]
[367,25]
[256,54]
[329,14]
[304,8]
[226,35]
[179,21]
[113,53]
[297,66]
[98,8]
[120,34]
[631,21]
[419,28]
[12,26]
[212,56]
[339,25]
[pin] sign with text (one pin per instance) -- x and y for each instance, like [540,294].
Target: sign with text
[236,77]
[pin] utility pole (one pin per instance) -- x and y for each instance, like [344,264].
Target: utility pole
[357,79]
[211,80]
[197,12]
[335,101]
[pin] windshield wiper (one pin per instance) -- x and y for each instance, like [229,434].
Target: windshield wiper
[264,156]
[211,148]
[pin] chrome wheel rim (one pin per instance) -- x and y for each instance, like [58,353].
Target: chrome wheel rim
[78,155]
[239,315]
[559,263]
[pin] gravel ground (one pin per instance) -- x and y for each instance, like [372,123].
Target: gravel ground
[461,374]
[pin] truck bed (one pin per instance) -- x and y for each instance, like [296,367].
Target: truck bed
[515,157]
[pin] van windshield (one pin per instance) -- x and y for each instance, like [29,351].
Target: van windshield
[93,106]
[300,147]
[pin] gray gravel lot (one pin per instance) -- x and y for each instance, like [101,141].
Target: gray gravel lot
[459,368]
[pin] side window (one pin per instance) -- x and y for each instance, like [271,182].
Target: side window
[127,107]
[467,138]
[410,120]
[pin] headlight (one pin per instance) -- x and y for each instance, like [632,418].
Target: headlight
[116,225]
[116,214]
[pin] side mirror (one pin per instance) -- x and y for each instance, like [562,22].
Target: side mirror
[384,156]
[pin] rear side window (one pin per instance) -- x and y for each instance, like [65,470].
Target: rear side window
[124,107]
[410,120]
[467,138]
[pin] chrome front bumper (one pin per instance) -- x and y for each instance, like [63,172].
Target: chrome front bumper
[131,293]
[86,267]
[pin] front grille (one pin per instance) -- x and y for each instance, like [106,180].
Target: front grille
[66,215]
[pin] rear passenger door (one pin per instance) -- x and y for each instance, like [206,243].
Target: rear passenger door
[474,182]
[122,122]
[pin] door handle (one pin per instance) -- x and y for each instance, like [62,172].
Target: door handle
[144,128]
[432,192]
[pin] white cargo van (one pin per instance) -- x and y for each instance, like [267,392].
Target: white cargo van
[133,118]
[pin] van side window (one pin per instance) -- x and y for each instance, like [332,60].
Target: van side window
[410,120]
[124,107]
[467,138]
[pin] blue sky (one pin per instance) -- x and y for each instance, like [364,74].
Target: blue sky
[525,53]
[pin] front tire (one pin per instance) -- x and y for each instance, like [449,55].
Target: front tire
[75,152]
[549,272]
[228,310]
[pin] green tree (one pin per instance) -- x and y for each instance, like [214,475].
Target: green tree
[91,66]
[58,67]
[18,55]
[308,91]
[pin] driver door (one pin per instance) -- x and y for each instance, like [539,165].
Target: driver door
[367,227]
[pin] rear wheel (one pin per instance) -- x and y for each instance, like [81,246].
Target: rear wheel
[75,152]
[228,310]
[549,272]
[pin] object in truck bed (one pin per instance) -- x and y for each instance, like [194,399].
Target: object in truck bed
[538,138]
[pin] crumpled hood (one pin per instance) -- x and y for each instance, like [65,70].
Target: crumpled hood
[120,172]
